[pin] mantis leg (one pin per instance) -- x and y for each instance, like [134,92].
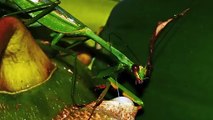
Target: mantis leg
[47,8]
[125,91]
[103,94]
[100,98]
[128,93]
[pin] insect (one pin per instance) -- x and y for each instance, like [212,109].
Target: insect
[50,15]
[62,23]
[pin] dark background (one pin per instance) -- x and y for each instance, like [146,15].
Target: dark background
[181,84]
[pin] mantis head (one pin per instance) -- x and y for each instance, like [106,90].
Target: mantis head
[139,73]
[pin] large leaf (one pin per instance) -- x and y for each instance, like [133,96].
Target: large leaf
[180,87]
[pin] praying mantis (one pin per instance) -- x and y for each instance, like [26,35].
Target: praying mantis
[55,18]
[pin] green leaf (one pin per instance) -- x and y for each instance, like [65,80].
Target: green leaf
[93,13]
[180,87]
[45,101]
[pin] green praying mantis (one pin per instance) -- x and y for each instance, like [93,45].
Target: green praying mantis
[50,15]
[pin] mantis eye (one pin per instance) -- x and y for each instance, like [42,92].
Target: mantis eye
[135,68]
